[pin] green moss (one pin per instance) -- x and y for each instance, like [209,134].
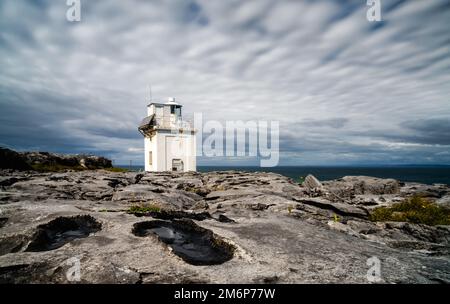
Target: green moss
[290,208]
[143,209]
[414,210]
[115,169]
[191,189]
[218,188]
[59,168]
[55,167]
[196,190]
[336,218]
[111,210]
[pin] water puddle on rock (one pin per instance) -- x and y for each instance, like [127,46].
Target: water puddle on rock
[62,230]
[194,244]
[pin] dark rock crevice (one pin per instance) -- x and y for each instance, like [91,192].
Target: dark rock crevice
[13,243]
[3,221]
[176,214]
[194,244]
[62,230]
[338,208]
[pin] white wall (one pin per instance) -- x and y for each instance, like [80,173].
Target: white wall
[150,110]
[166,146]
[149,146]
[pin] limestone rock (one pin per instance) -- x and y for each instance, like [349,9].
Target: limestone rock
[356,185]
[311,183]
[340,208]
[341,227]
[444,201]
[277,232]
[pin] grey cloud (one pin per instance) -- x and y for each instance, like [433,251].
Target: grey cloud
[434,131]
[430,131]
[330,123]
[435,125]
[343,89]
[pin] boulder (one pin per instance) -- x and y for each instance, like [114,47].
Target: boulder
[373,185]
[357,185]
[93,162]
[311,183]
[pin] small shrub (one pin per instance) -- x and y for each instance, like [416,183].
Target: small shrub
[218,188]
[55,167]
[290,208]
[192,189]
[115,169]
[143,209]
[415,210]
[336,218]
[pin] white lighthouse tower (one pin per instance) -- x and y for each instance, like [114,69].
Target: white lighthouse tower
[169,141]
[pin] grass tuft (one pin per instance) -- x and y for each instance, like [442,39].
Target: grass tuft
[116,169]
[59,168]
[143,209]
[55,168]
[415,210]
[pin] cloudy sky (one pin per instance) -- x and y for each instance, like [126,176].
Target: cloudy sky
[344,90]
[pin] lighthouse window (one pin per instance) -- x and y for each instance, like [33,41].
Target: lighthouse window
[150,158]
[172,109]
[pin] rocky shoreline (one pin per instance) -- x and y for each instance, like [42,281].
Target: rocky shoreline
[242,228]
[45,161]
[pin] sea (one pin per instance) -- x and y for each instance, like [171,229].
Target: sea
[421,174]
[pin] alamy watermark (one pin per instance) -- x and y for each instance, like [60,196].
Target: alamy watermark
[73,274]
[231,139]
[373,275]
[73,13]
[374,11]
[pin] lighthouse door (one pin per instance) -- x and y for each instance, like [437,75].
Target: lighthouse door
[177,165]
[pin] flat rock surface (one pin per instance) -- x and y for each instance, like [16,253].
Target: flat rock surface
[278,232]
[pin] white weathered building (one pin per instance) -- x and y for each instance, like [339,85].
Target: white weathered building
[169,141]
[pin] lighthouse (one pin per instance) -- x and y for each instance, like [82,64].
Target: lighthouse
[168,139]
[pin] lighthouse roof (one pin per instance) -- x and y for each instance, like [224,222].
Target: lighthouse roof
[147,121]
[171,102]
[147,124]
